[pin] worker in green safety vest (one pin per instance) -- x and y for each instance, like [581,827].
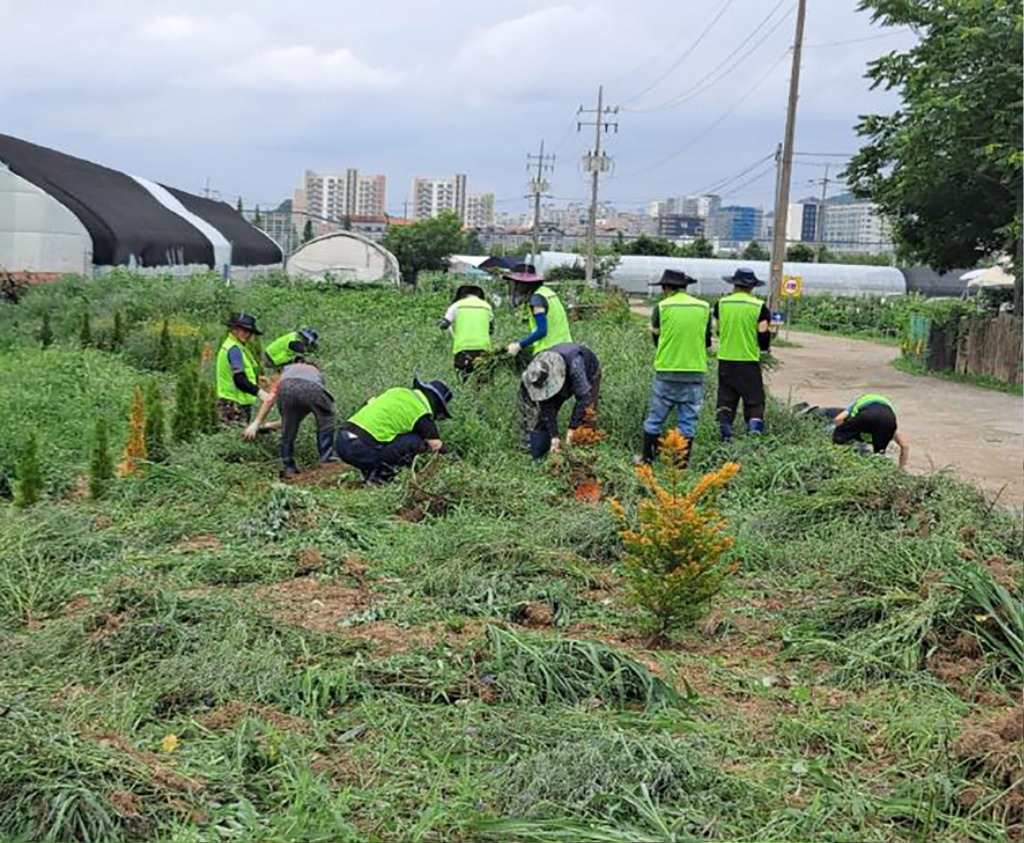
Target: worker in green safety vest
[389,431]
[681,328]
[869,420]
[470,318]
[544,311]
[743,334]
[290,346]
[238,371]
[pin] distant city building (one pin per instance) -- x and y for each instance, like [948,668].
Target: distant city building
[854,225]
[284,227]
[678,226]
[431,197]
[739,223]
[335,196]
[479,210]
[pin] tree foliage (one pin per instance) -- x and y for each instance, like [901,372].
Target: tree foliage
[754,251]
[101,465]
[155,428]
[28,478]
[946,167]
[425,245]
[800,253]
[307,231]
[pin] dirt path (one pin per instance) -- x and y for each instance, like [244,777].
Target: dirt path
[978,433]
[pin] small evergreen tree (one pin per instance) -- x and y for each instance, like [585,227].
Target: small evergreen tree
[28,479]
[207,417]
[85,334]
[165,350]
[135,448]
[257,218]
[238,205]
[101,467]
[307,231]
[156,426]
[117,335]
[183,422]
[46,332]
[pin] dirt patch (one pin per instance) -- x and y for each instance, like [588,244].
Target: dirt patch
[76,607]
[325,476]
[195,544]
[161,776]
[956,668]
[537,616]
[226,716]
[310,559]
[1006,572]
[992,748]
[107,625]
[125,804]
[338,766]
[306,602]
[388,638]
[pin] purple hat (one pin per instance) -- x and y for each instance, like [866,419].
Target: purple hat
[524,273]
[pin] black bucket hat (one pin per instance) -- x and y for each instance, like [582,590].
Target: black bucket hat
[243,320]
[673,278]
[743,278]
[440,391]
[469,290]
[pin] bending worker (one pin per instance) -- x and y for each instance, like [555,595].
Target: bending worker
[290,346]
[471,321]
[238,371]
[553,377]
[390,430]
[870,419]
[545,313]
[743,334]
[681,328]
[299,390]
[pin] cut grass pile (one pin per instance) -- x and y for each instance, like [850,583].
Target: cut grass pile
[208,654]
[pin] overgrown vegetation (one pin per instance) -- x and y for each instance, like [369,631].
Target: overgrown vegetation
[453,656]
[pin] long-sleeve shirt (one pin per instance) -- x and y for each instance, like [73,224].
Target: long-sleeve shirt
[537,302]
[237,364]
[582,380]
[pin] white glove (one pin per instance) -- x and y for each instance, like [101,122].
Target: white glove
[250,432]
[263,395]
[513,348]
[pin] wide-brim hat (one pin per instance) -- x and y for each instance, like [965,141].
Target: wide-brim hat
[524,273]
[440,391]
[673,278]
[469,290]
[243,320]
[743,278]
[545,376]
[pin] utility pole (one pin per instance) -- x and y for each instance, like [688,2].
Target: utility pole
[782,196]
[819,222]
[595,163]
[538,187]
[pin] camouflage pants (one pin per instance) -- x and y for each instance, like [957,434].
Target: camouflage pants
[232,413]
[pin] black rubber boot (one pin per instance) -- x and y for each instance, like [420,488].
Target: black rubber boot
[650,447]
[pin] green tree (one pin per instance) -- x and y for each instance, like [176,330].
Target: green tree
[238,205]
[425,245]
[473,244]
[155,430]
[207,417]
[800,253]
[45,331]
[699,248]
[307,231]
[165,348]
[257,218]
[85,333]
[117,334]
[101,466]
[28,478]
[754,251]
[183,422]
[946,167]
[644,245]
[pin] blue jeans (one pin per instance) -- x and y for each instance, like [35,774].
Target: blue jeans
[687,398]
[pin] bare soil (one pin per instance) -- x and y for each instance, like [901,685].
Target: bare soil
[978,433]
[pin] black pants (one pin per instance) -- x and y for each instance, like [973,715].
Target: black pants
[465,361]
[875,423]
[740,380]
[296,400]
[379,460]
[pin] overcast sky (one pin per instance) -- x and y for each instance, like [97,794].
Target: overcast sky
[249,94]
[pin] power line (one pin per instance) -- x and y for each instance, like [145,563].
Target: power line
[685,54]
[728,63]
[765,172]
[858,40]
[721,183]
[700,135]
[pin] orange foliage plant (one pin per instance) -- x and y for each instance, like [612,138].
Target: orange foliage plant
[135,448]
[674,557]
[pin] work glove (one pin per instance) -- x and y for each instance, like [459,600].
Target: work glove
[513,348]
[250,432]
[263,395]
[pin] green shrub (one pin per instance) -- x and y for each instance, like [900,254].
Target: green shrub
[101,466]
[156,425]
[183,422]
[46,332]
[85,332]
[28,483]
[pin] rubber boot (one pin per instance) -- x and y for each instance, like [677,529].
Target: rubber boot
[290,471]
[755,426]
[725,430]
[650,448]
[325,446]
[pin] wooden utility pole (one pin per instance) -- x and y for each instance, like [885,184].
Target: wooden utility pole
[595,163]
[782,197]
[538,187]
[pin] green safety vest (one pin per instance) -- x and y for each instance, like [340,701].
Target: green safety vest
[226,388]
[278,351]
[681,338]
[867,399]
[471,328]
[738,315]
[558,321]
[392,413]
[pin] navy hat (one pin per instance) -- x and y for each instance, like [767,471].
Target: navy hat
[310,336]
[440,391]
[673,278]
[243,320]
[469,290]
[743,278]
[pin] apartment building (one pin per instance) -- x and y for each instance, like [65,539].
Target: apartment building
[336,196]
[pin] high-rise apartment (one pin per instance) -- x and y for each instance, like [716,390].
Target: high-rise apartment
[854,225]
[479,210]
[431,197]
[336,196]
